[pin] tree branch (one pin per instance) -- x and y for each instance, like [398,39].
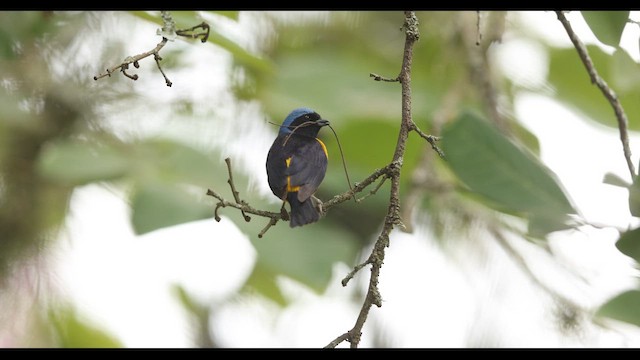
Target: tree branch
[168,32]
[376,259]
[236,194]
[480,69]
[242,205]
[132,60]
[608,93]
[274,217]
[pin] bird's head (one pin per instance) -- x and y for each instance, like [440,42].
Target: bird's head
[303,121]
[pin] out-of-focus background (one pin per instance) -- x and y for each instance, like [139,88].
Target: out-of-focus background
[525,236]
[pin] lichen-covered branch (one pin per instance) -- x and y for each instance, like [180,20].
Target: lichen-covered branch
[608,93]
[168,33]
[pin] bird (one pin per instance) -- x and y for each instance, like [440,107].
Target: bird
[297,163]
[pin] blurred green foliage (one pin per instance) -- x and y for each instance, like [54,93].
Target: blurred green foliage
[51,139]
[72,331]
[607,26]
[572,84]
[623,307]
[509,177]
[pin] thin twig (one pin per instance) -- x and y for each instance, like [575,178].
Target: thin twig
[272,222]
[353,272]
[377,77]
[243,207]
[374,191]
[157,58]
[130,60]
[606,90]
[430,139]
[357,187]
[344,337]
[168,32]
[236,194]
[190,34]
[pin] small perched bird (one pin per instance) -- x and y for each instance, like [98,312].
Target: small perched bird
[297,163]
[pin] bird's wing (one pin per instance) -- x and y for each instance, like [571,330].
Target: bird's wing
[307,167]
[277,167]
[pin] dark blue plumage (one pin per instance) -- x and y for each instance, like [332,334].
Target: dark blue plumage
[297,163]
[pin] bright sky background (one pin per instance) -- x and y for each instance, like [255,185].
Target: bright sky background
[122,281]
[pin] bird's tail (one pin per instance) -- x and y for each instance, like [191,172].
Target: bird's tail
[302,213]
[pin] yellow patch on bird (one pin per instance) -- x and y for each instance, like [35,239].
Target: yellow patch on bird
[324,148]
[289,187]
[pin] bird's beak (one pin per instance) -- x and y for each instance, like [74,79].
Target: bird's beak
[322,122]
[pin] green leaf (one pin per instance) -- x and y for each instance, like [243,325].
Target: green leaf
[6,46]
[634,198]
[77,163]
[342,54]
[172,161]
[503,173]
[625,72]
[305,254]
[615,180]
[74,332]
[624,307]
[368,143]
[528,139]
[158,205]
[263,280]
[541,223]
[188,302]
[629,244]
[607,26]
[573,85]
